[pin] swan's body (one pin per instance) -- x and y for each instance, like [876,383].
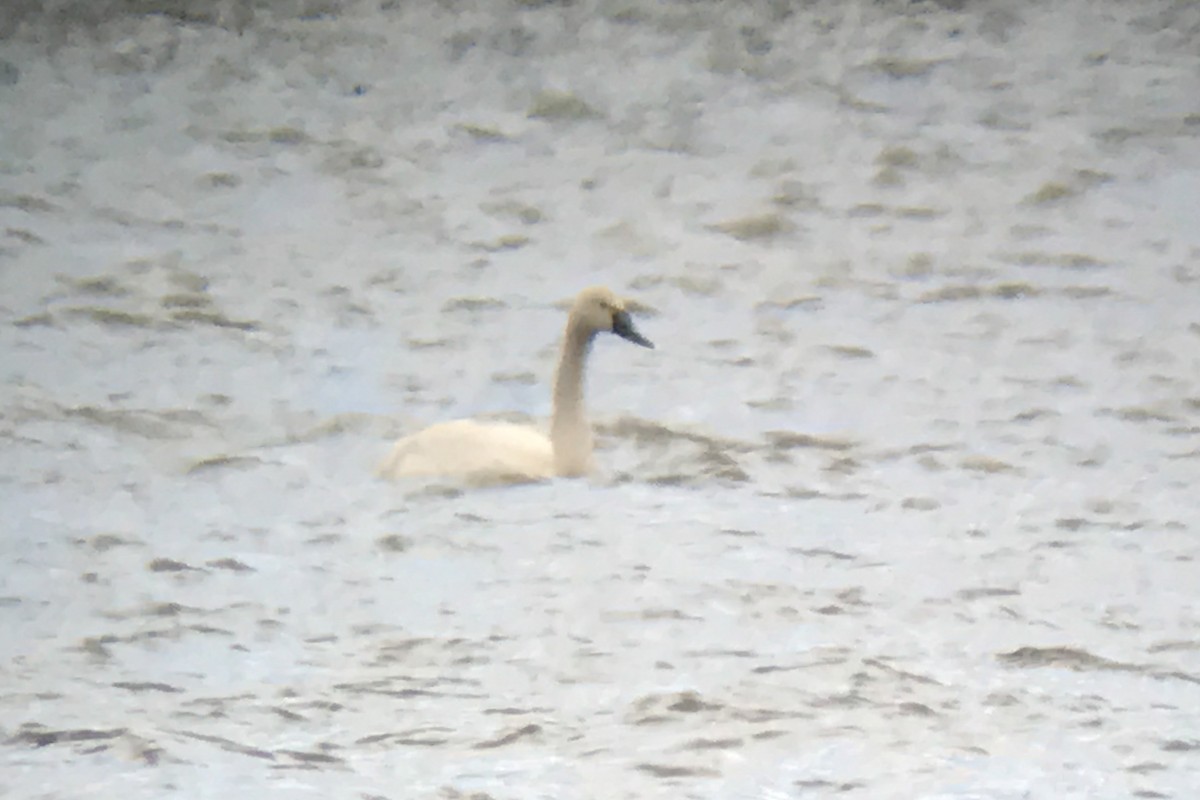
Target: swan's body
[493,452]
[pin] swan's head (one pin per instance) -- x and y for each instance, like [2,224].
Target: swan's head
[598,310]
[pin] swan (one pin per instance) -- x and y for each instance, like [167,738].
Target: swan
[491,452]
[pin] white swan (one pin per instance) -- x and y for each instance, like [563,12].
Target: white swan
[498,452]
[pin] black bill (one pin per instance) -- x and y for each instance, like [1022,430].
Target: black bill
[623,327]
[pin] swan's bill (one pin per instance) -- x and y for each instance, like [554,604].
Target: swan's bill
[623,327]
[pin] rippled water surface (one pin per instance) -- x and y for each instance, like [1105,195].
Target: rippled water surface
[902,506]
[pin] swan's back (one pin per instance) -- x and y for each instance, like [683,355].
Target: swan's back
[485,452]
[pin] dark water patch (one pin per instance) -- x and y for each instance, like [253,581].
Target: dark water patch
[690,703]
[843,466]
[97,286]
[382,689]
[697,285]
[219,180]
[96,647]
[339,424]
[1137,414]
[285,135]
[988,464]
[182,300]
[1035,414]
[791,440]
[41,320]
[713,467]
[677,771]
[108,541]
[507,242]
[417,737]
[1175,647]
[556,106]
[520,378]
[755,227]
[920,504]
[111,317]
[230,564]
[921,449]
[170,565]
[821,552]
[229,746]
[1181,746]
[982,592]
[512,209]
[768,669]
[197,316]
[656,708]
[758,716]
[767,735]
[1001,700]
[149,424]
[912,709]
[138,687]
[473,304]
[850,352]
[900,673]
[485,134]
[900,68]
[392,652]
[308,757]
[344,157]
[1146,767]
[867,211]
[801,302]
[1084,292]
[524,732]
[918,212]
[738,533]
[394,543]
[37,735]
[664,613]
[967,292]
[1176,675]
[821,785]
[1073,261]
[840,700]
[776,404]
[1081,523]
[732,743]
[28,203]
[709,459]
[288,714]
[325,539]
[1051,192]
[720,652]
[1065,657]
[512,711]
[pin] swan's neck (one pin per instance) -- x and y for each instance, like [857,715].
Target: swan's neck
[570,434]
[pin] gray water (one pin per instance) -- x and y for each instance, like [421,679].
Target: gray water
[902,505]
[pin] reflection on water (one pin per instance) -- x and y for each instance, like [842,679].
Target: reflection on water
[900,507]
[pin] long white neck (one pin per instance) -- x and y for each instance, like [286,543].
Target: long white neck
[570,433]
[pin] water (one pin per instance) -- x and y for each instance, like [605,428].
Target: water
[901,506]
